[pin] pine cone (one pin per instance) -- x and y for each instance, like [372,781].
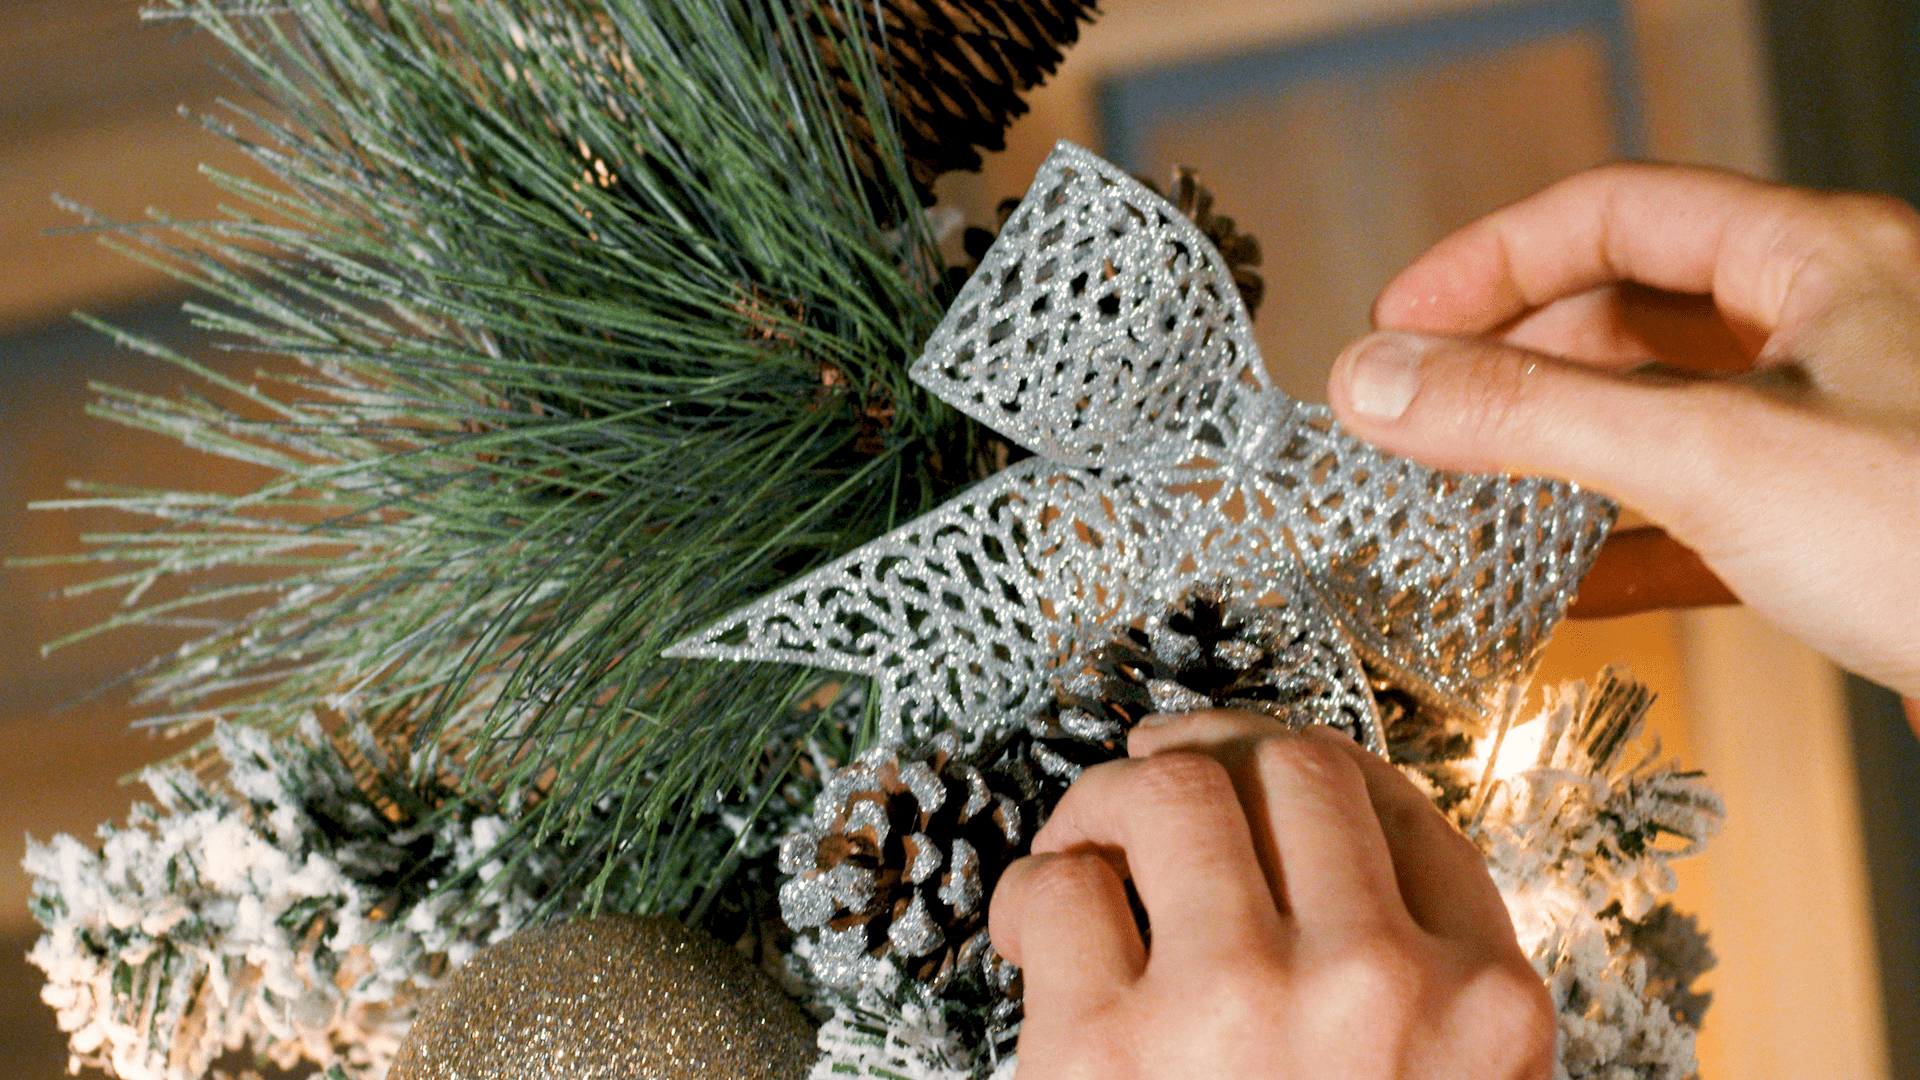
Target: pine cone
[906,847]
[959,68]
[904,852]
[1203,654]
[1240,250]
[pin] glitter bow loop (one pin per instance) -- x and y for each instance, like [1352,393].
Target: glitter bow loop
[1102,327]
[1103,331]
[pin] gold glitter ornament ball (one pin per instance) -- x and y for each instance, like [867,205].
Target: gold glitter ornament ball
[610,998]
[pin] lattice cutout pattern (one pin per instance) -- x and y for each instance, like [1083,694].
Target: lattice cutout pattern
[1103,332]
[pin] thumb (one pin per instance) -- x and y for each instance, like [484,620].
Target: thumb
[1801,509]
[1685,454]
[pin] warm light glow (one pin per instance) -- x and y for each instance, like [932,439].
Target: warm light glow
[1518,751]
[1538,909]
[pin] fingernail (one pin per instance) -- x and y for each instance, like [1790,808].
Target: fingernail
[1158,719]
[1383,374]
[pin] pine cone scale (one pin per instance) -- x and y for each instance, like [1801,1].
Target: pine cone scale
[958,75]
[906,849]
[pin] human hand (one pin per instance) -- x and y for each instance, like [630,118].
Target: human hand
[1779,448]
[1312,916]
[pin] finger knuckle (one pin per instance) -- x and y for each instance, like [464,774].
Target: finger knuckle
[1071,880]
[1408,818]
[1379,972]
[1182,779]
[1223,715]
[1511,1003]
[1594,181]
[1310,760]
[1245,996]
[1881,224]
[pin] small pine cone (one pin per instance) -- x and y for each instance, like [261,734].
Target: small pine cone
[1418,734]
[959,69]
[1203,654]
[903,854]
[1240,250]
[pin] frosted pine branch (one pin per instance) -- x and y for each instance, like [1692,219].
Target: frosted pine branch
[1580,843]
[275,914]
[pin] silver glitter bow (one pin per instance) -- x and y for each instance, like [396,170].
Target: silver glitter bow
[1103,332]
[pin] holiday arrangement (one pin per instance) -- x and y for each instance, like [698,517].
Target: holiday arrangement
[684,578]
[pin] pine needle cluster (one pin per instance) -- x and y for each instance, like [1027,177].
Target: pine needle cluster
[577,330]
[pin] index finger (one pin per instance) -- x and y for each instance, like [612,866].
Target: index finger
[1685,230]
[1440,876]
[1178,821]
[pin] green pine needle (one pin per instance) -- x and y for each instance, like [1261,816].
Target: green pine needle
[581,332]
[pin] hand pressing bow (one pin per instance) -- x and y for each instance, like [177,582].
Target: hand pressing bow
[1738,361]
[1312,916]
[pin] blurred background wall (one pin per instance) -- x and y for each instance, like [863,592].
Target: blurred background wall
[88,104]
[1347,135]
[1846,86]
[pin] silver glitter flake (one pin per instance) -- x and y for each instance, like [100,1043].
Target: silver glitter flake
[1103,332]
[841,959]
[913,931]
[961,889]
[806,901]
[923,857]
[1171,697]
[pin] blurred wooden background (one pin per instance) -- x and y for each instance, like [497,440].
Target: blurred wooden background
[88,109]
[1344,176]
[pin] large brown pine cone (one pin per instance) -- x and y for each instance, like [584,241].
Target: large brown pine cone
[959,70]
[904,851]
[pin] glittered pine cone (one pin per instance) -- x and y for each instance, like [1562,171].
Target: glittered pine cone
[959,70]
[1203,654]
[903,854]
